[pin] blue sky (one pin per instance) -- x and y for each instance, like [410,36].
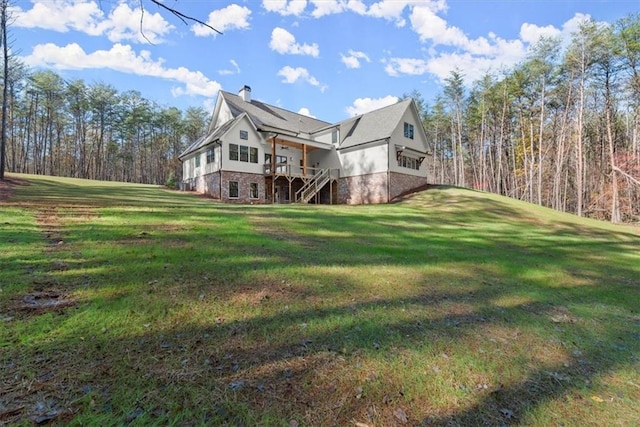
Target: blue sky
[330,59]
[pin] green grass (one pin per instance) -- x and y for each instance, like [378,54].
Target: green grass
[452,307]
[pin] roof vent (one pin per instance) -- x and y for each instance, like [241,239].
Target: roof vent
[245,93]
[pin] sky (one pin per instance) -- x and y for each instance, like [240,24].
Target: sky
[329,59]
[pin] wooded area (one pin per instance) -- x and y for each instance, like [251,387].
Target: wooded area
[562,129]
[70,128]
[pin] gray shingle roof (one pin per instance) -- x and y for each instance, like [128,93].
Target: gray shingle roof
[372,126]
[269,115]
[208,138]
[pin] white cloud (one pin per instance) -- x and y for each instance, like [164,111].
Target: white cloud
[305,112]
[232,17]
[285,7]
[410,66]
[123,22]
[431,27]
[352,60]
[364,105]
[390,10]
[121,58]
[531,33]
[230,72]
[282,41]
[61,16]
[292,75]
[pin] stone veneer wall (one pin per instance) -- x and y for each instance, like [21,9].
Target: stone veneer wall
[209,185]
[244,180]
[401,183]
[372,188]
[363,189]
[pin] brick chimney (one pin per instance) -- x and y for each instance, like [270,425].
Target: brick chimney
[245,93]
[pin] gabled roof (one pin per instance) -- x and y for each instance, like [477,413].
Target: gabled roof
[372,126]
[210,137]
[269,116]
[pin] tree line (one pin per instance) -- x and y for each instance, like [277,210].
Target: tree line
[75,129]
[561,129]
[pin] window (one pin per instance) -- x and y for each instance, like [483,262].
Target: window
[334,136]
[253,190]
[408,130]
[211,155]
[233,190]
[233,151]
[409,162]
[281,164]
[244,134]
[244,153]
[198,160]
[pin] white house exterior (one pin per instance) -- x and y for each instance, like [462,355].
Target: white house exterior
[259,153]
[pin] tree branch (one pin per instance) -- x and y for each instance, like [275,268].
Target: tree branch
[626,175]
[184,18]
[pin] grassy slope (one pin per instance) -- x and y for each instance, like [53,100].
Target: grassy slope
[451,307]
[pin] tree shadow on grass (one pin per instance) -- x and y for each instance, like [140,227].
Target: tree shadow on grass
[308,340]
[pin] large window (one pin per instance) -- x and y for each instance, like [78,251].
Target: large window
[198,160]
[233,151]
[253,190]
[211,155]
[253,155]
[408,130]
[233,190]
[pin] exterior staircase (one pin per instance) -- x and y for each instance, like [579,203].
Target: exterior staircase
[313,186]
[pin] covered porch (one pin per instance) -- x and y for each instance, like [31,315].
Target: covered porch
[291,178]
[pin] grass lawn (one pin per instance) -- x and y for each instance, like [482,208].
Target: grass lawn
[131,304]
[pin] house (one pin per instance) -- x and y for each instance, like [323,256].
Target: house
[259,153]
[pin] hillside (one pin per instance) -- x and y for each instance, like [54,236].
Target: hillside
[125,303]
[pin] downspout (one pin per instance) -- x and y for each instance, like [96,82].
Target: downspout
[273,169]
[388,170]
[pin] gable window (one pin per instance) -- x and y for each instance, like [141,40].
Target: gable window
[244,134]
[211,155]
[233,190]
[253,190]
[198,160]
[408,130]
[233,151]
[253,155]
[334,136]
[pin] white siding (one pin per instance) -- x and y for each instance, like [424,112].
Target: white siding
[418,143]
[363,160]
[254,140]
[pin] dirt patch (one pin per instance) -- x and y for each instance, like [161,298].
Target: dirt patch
[37,303]
[7,185]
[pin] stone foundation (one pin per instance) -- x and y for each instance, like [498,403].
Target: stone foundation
[363,189]
[209,185]
[401,183]
[376,188]
[244,181]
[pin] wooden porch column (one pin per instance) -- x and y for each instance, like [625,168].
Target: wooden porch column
[304,159]
[273,170]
